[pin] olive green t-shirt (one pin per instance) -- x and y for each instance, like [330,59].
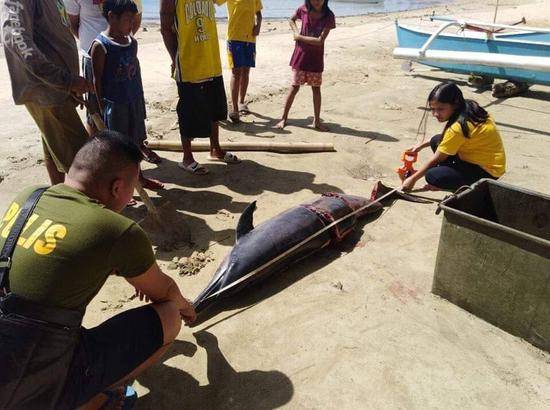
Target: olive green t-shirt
[69,246]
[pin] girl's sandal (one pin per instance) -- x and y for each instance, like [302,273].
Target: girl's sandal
[151,156]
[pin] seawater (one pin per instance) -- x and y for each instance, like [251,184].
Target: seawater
[276,9]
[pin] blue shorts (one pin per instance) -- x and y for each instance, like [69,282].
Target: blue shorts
[241,54]
[128,118]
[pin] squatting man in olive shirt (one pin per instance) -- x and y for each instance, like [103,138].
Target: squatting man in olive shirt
[73,240]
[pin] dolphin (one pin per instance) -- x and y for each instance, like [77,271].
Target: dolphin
[283,240]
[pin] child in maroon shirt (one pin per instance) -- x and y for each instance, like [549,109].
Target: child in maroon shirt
[307,61]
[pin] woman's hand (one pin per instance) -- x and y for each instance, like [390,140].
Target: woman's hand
[408,183]
[415,148]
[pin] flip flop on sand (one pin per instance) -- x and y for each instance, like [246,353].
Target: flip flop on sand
[228,158]
[193,168]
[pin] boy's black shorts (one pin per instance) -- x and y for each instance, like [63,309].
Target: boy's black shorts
[110,351]
[199,105]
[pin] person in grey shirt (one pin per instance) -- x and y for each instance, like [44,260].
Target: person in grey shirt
[42,61]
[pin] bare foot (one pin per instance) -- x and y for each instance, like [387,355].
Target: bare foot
[319,126]
[281,124]
[224,156]
[214,153]
[234,117]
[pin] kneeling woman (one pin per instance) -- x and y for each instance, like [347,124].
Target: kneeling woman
[470,147]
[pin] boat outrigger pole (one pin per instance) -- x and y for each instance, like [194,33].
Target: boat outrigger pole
[465,23]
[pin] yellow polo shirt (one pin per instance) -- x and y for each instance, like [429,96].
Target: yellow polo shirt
[198,49]
[483,147]
[242,19]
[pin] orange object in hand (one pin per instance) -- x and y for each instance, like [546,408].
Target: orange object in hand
[406,170]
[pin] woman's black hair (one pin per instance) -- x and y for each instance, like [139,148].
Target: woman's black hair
[325,10]
[465,110]
[117,7]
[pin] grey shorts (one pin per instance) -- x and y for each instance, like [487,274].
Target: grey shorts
[128,119]
[63,133]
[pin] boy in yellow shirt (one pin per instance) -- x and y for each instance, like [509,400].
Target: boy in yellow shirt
[190,35]
[245,20]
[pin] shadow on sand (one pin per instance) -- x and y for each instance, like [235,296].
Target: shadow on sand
[261,125]
[444,77]
[247,178]
[172,388]
[227,388]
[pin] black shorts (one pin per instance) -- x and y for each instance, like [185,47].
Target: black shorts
[199,105]
[110,351]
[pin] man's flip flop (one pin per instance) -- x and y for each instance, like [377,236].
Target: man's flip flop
[193,168]
[228,158]
[128,400]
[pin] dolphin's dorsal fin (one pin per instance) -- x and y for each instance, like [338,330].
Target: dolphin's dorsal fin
[245,224]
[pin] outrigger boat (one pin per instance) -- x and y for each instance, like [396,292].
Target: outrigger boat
[480,49]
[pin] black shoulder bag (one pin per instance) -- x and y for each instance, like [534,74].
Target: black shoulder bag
[36,342]
[9,246]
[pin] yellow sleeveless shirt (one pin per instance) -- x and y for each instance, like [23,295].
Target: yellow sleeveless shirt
[198,48]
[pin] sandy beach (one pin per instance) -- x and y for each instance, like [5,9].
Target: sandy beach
[355,326]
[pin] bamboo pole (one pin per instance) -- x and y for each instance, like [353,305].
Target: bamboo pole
[281,147]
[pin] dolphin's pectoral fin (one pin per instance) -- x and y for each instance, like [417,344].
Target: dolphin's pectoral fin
[245,223]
